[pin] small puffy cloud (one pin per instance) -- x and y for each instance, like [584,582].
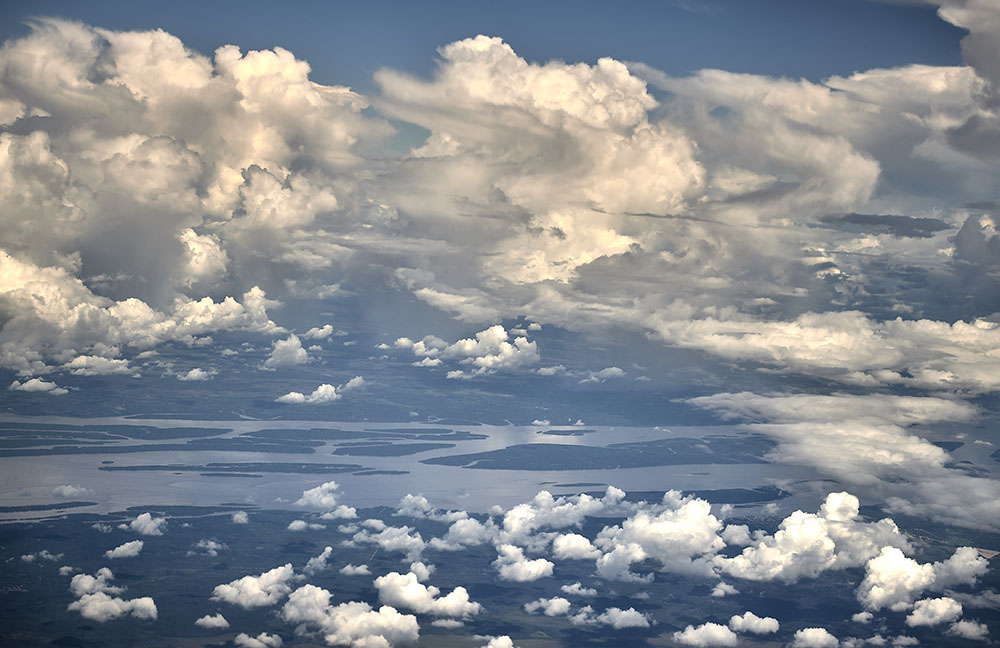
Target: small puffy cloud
[90,365]
[38,385]
[318,563]
[862,617]
[407,592]
[503,641]
[212,622]
[256,591]
[197,374]
[930,612]
[513,566]
[604,374]
[971,630]
[127,550]
[814,638]
[321,333]
[577,589]
[618,618]
[146,524]
[353,624]
[722,589]
[487,353]
[355,570]
[556,606]
[286,353]
[263,640]
[325,498]
[706,635]
[208,547]
[44,554]
[240,517]
[302,525]
[573,546]
[70,490]
[325,393]
[97,599]
[390,538]
[750,622]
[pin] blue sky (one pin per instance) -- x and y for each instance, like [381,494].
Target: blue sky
[345,42]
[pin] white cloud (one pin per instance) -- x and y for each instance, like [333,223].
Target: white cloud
[286,353]
[146,524]
[126,550]
[198,374]
[212,622]
[489,352]
[353,624]
[302,525]
[89,365]
[44,554]
[577,589]
[555,606]
[38,385]
[930,612]
[972,630]
[573,546]
[682,538]
[750,622]
[70,490]
[97,599]
[503,641]
[325,498]
[723,589]
[391,538]
[513,566]
[355,570]
[318,563]
[807,544]
[209,547]
[240,517]
[325,393]
[894,581]
[814,638]
[256,591]
[707,634]
[263,640]
[407,592]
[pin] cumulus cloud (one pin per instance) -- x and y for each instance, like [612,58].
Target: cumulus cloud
[318,563]
[97,600]
[682,538]
[972,630]
[706,634]
[286,353]
[555,606]
[930,612]
[127,550]
[263,640]
[325,498]
[808,544]
[573,546]
[407,592]
[302,525]
[256,591]
[512,565]
[355,570]
[44,554]
[325,393]
[146,524]
[487,353]
[577,589]
[38,385]
[240,517]
[197,375]
[352,624]
[212,622]
[894,581]
[390,538]
[750,622]
[814,638]
[70,490]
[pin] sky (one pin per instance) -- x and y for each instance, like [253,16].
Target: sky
[779,214]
